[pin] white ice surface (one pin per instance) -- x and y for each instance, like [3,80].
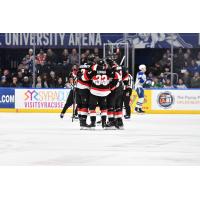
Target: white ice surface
[45,139]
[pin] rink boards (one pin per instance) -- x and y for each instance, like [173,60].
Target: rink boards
[160,101]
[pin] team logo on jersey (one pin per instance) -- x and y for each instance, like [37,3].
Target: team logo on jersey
[165,99]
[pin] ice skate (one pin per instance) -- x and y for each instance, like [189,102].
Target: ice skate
[139,110]
[83,124]
[127,116]
[119,123]
[110,126]
[91,126]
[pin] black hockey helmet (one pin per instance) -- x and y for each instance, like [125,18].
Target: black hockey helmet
[91,57]
[109,60]
[100,62]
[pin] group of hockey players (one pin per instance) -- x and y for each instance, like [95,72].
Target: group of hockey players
[106,85]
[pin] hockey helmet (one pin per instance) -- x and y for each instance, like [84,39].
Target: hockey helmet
[142,67]
[91,58]
[100,62]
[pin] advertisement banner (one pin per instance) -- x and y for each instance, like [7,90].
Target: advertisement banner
[147,100]
[53,100]
[7,98]
[40,98]
[176,100]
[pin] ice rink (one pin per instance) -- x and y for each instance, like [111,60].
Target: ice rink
[45,139]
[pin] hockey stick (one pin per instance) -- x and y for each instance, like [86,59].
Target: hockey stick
[74,101]
[122,60]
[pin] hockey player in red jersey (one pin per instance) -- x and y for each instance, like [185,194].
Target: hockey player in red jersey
[115,97]
[82,95]
[100,89]
[128,87]
[82,91]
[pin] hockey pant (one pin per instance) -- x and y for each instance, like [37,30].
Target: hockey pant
[82,98]
[126,100]
[115,104]
[140,93]
[102,103]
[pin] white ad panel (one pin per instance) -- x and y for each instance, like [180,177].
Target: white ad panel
[176,100]
[40,98]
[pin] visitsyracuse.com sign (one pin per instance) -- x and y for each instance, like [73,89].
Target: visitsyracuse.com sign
[40,98]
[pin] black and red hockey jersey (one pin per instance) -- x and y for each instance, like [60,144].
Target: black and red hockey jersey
[100,80]
[116,78]
[81,82]
[125,78]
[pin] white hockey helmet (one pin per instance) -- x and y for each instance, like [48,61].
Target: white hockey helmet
[142,67]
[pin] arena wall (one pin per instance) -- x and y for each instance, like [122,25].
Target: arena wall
[157,101]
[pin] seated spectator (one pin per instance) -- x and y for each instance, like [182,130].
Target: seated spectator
[29,59]
[168,53]
[179,61]
[181,84]
[20,76]
[74,71]
[96,51]
[60,83]
[7,74]
[157,69]
[187,59]
[167,84]
[39,82]
[65,57]
[178,53]
[198,58]
[52,80]
[97,58]
[149,81]
[4,82]
[193,67]
[195,81]
[164,60]
[87,53]
[26,82]
[69,83]
[117,55]
[45,81]
[83,58]
[73,57]
[166,69]
[51,57]
[15,82]
[188,51]
[41,58]
[150,75]
[186,79]
[156,83]
[26,73]
[30,53]
[23,65]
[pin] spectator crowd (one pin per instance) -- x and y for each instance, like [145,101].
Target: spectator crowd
[53,69]
[186,70]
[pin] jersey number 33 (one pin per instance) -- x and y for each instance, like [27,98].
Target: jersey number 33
[101,80]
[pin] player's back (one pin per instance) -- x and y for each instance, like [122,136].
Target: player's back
[100,82]
[82,83]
